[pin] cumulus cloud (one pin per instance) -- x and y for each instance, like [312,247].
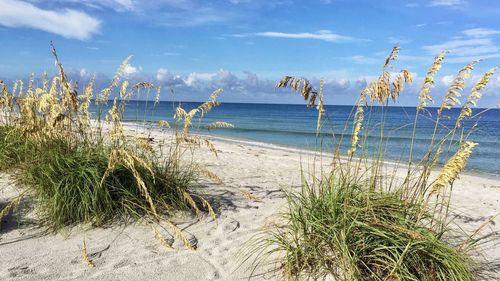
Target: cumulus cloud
[130,70]
[163,74]
[340,87]
[66,22]
[196,78]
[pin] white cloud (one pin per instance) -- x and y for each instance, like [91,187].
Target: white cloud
[130,70]
[476,44]
[480,32]
[340,86]
[196,77]
[365,60]
[163,74]
[447,3]
[67,22]
[324,35]
[458,43]
[117,5]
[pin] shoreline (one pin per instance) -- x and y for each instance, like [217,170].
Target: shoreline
[314,152]
[311,151]
[293,149]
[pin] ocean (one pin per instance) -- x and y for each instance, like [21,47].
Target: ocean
[295,126]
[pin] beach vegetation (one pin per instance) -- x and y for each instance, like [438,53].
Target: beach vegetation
[81,164]
[368,218]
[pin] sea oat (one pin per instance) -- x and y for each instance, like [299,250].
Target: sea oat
[85,256]
[178,233]
[474,96]
[299,84]
[189,200]
[162,239]
[163,123]
[358,122]
[393,55]
[453,167]
[458,84]
[104,94]
[320,107]
[424,96]
[210,103]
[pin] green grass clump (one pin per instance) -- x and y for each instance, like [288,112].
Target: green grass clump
[346,231]
[70,189]
[13,147]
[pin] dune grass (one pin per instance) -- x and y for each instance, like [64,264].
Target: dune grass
[342,230]
[84,167]
[360,220]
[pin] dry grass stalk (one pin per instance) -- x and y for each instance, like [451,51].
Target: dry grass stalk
[453,167]
[212,102]
[85,256]
[161,239]
[187,197]
[458,84]
[207,205]
[300,84]
[207,173]
[178,233]
[250,196]
[358,122]
[308,93]
[13,204]
[383,89]
[474,96]
[321,108]
[6,100]
[424,96]
[164,123]
[393,55]
[132,163]
[104,94]
[86,99]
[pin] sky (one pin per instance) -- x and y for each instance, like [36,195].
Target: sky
[244,46]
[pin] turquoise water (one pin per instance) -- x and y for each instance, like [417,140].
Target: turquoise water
[295,126]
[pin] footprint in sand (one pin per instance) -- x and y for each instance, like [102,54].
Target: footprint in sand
[122,263]
[18,271]
[231,226]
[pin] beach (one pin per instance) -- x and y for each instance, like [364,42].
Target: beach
[255,177]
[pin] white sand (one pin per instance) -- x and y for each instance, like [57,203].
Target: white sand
[132,253]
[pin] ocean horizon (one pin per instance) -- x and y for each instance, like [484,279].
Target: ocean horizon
[294,126]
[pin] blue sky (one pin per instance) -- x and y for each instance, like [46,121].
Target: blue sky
[244,46]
